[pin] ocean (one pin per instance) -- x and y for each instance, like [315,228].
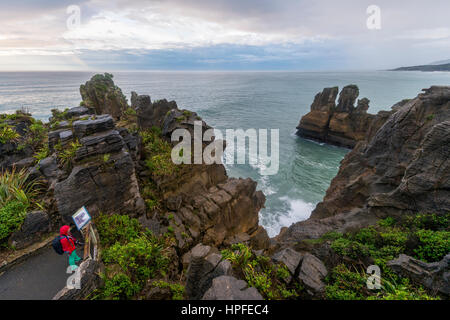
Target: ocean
[232,100]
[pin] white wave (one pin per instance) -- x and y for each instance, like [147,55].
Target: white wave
[299,210]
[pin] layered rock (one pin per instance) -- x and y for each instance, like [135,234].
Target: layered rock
[150,114]
[101,95]
[401,168]
[433,276]
[342,124]
[230,288]
[36,224]
[207,206]
[103,175]
[205,265]
[10,153]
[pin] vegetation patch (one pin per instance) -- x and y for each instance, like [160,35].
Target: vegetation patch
[132,257]
[8,134]
[272,280]
[17,195]
[425,237]
[67,154]
[158,151]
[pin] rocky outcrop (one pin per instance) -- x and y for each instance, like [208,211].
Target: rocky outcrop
[433,276]
[230,288]
[290,258]
[150,114]
[312,274]
[205,265]
[101,95]
[342,124]
[35,225]
[103,176]
[10,153]
[207,206]
[401,168]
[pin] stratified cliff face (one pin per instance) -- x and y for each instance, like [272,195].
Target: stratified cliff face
[342,124]
[401,168]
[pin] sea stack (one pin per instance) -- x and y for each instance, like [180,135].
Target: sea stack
[343,124]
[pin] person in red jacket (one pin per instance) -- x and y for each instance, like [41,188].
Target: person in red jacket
[68,245]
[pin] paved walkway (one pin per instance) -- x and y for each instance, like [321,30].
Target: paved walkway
[39,277]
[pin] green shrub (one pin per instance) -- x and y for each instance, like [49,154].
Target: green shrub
[345,284]
[8,134]
[141,258]
[58,115]
[239,254]
[15,185]
[159,153]
[368,236]
[350,248]
[434,245]
[400,290]
[427,221]
[388,222]
[119,287]
[67,154]
[425,236]
[259,280]
[42,153]
[117,228]
[12,215]
[176,289]
[259,272]
[394,237]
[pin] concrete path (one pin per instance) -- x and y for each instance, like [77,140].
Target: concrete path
[39,277]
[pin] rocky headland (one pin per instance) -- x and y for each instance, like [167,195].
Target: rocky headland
[193,233]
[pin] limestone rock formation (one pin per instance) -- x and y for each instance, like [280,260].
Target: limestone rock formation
[312,274]
[205,265]
[290,258]
[433,276]
[103,177]
[150,114]
[207,206]
[342,125]
[401,168]
[36,224]
[230,288]
[101,95]
[10,153]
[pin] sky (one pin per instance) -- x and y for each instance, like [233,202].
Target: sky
[293,35]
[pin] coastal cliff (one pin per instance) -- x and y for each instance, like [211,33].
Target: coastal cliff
[115,159]
[399,169]
[193,233]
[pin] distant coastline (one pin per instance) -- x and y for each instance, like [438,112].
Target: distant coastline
[425,68]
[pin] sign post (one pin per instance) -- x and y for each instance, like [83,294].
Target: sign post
[81,218]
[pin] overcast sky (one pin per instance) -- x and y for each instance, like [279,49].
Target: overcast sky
[221,34]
